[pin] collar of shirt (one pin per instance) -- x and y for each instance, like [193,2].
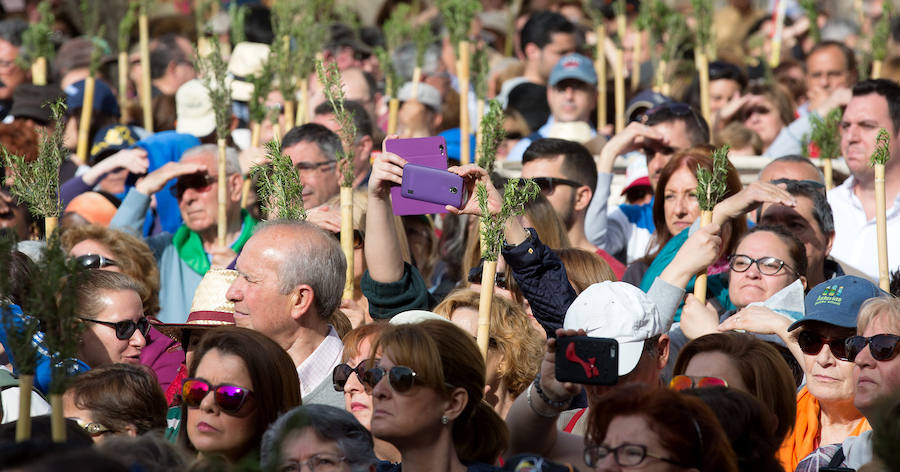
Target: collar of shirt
[321,363]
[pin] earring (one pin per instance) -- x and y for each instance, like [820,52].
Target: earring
[445,420]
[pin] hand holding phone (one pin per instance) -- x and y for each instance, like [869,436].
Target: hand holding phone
[587,360]
[432,185]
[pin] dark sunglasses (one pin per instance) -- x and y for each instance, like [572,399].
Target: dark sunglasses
[342,372]
[94,261]
[199,182]
[125,329]
[811,343]
[401,378]
[882,346]
[548,184]
[229,398]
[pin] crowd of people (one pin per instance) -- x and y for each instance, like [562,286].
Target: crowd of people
[251,355]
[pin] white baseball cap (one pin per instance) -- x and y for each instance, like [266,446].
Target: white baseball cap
[194,110]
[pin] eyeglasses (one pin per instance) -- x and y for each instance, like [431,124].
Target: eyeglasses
[811,343]
[548,184]
[198,182]
[342,372]
[315,463]
[92,429]
[625,455]
[882,346]
[125,329]
[229,398]
[766,265]
[311,166]
[94,261]
[684,382]
[400,377]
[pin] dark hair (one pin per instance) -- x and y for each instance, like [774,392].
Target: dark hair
[258,24]
[11,30]
[695,126]
[888,89]
[718,70]
[849,55]
[150,452]
[578,163]
[329,143]
[119,396]
[762,370]
[21,269]
[821,208]
[748,425]
[795,248]
[360,116]
[687,429]
[276,387]
[539,29]
[165,51]
[797,158]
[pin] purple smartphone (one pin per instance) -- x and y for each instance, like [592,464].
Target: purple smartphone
[428,152]
[432,185]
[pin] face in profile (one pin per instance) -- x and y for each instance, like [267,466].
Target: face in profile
[115,334]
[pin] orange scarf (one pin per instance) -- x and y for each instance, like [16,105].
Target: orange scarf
[802,440]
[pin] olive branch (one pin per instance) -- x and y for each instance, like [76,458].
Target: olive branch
[711,186]
[330,77]
[516,194]
[280,190]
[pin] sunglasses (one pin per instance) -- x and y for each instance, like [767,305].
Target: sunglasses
[766,265]
[401,378]
[229,398]
[684,382]
[811,343]
[199,182]
[666,111]
[882,346]
[124,329]
[94,261]
[92,429]
[342,372]
[548,184]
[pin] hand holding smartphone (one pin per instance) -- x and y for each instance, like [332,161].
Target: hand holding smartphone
[432,185]
[587,360]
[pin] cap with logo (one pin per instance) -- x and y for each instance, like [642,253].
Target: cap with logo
[620,311]
[837,301]
[111,139]
[573,66]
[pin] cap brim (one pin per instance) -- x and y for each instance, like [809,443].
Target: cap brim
[629,356]
[241,91]
[196,126]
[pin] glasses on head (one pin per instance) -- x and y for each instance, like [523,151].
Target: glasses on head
[94,261]
[548,184]
[625,455]
[124,329]
[311,166]
[198,182]
[315,463]
[341,373]
[666,111]
[811,343]
[401,378]
[766,265]
[229,398]
[882,346]
[684,382]
[91,428]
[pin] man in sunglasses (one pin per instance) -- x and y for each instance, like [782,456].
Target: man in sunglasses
[184,257]
[625,231]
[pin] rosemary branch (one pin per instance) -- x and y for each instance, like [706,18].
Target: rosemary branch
[238,15]
[20,330]
[262,84]
[825,133]
[397,28]
[811,8]
[36,39]
[391,77]
[279,186]
[479,69]
[422,37]
[127,25]
[711,186]
[516,194]
[882,151]
[458,16]
[330,77]
[703,12]
[882,32]
[492,134]
[213,71]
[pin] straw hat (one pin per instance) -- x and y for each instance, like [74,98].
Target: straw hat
[209,308]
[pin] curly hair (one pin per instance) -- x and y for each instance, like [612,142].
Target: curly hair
[131,253]
[511,335]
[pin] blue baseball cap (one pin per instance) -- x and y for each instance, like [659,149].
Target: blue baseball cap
[837,301]
[573,66]
[104,99]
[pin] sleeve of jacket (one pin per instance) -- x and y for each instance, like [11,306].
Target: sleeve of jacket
[388,299]
[541,276]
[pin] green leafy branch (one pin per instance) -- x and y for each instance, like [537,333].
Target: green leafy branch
[595,13]
[202,11]
[391,77]
[312,27]
[397,28]
[882,32]
[422,37]
[213,71]
[99,46]
[479,70]
[20,331]
[90,17]
[676,40]
[262,84]
[882,151]
[654,16]
[711,186]
[458,16]
[811,8]
[825,133]
[36,39]
[516,194]
[330,77]
[127,25]
[286,62]
[238,16]
[492,134]
[280,190]
[36,182]
[703,12]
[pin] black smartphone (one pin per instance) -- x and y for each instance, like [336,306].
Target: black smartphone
[587,360]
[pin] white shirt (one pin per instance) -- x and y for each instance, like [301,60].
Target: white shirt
[318,367]
[856,240]
[10,401]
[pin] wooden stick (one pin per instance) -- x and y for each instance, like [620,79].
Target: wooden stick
[700,282]
[50,223]
[144,30]
[775,57]
[636,61]
[488,274]
[600,67]
[827,171]
[84,123]
[303,104]
[276,131]
[703,71]
[619,72]
[57,420]
[393,109]
[222,226]
[479,114]
[464,126]
[884,279]
[660,80]
[39,71]
[347,238]
[288,114]
[416,78]
[255,131]
[123,87]
[23,424]
[514,10]
[876,69]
